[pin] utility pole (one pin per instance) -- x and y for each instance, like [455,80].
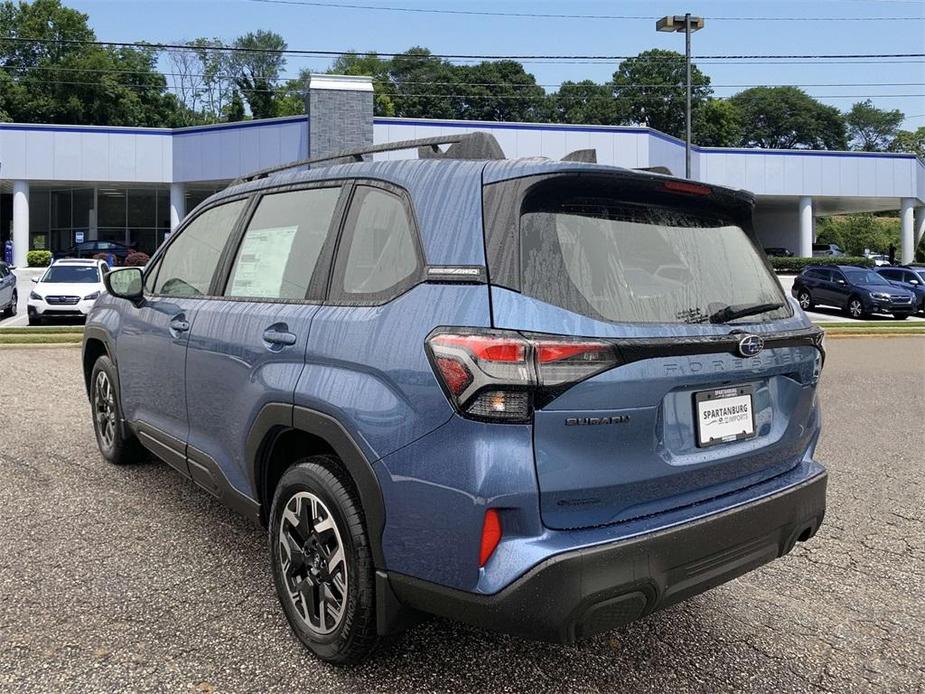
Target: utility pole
[688,25]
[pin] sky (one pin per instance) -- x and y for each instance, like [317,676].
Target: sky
[890,85]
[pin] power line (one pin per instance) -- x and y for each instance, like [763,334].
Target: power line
[447,56]
[217,76]
[454,95]
[545,15]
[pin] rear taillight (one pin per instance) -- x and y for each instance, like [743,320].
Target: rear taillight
[500,375]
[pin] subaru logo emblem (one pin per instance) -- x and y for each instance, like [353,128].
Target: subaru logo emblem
[750,345]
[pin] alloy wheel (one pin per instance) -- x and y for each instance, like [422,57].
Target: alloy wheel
[805,300]
[14,305]
[104,409]
[855,308]
[313,562]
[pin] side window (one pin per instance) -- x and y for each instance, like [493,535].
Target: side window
[282,244]
[381,258]
[187,266]
[837,275]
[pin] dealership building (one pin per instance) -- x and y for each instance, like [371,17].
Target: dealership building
[60,184]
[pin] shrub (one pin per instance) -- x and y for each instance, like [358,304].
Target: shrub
[38,258]
[102,256]
[857,232]
[136,259]
[797,264]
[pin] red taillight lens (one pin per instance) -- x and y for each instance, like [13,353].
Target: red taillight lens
[496,375]
[491,535]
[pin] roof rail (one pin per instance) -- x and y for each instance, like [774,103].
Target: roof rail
[477,145]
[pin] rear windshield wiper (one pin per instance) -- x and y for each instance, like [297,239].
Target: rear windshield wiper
[728,313]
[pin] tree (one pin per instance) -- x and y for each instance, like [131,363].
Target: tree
[498,91]
[872,129]
[369,64]
[909,141]
[62,78]
[425,86]
[788,118]
[717,124]
[857,233]
[234,111]
[584,102]
[256,65]
[650,90]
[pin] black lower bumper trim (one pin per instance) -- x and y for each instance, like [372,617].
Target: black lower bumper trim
[578,594]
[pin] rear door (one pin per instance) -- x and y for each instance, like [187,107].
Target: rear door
[247,348]
[685,416]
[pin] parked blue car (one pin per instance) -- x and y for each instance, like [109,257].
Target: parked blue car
[911,278]
[859,291]
[541,397]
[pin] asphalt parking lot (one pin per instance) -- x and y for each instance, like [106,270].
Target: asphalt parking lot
[131,579]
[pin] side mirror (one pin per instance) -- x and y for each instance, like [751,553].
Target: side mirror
[35,280]
[914,282]
[125,283]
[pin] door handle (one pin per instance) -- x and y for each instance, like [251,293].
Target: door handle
[278,337]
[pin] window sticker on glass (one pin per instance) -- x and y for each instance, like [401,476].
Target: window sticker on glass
[260,267]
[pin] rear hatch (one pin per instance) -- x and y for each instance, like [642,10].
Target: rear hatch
[713,378]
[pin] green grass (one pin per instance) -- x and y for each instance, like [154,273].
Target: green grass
[33,339]
[64,330]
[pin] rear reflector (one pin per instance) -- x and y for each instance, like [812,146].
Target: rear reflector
[491,535]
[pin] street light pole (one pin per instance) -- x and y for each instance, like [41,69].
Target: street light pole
[688,25]
[687,60]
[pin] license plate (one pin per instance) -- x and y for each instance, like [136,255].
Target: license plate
[724,415]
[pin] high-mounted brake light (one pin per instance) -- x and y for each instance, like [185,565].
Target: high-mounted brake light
[500,375]
[690,188]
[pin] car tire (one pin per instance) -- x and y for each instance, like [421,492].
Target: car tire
[805,299]
[901,316]
[855,308]
[35,320]
[307,583]
[116,443]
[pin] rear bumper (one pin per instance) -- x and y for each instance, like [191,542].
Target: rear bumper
[581,593]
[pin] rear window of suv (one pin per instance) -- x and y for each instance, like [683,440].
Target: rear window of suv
[624,261]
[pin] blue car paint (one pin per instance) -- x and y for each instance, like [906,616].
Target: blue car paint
[366,367]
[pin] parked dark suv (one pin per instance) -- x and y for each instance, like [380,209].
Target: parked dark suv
[90,249]
[542,397]
[910,278]
[859,291]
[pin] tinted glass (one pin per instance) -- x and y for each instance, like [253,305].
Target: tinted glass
[624,262]
[190,261]
[864,277]
[382,252]
[282,243]
[3,271]
[890,274]
[72,274]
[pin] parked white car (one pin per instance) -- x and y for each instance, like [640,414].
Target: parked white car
[880,260]
[67,289]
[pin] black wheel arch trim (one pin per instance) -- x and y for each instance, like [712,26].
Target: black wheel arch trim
[275,419]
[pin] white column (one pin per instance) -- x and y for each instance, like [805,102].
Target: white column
[806,227]
[93,220]
[906,212]
[177,204]
[20,222]
[919,227]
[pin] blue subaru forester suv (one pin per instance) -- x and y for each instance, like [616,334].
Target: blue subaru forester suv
[541,397]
